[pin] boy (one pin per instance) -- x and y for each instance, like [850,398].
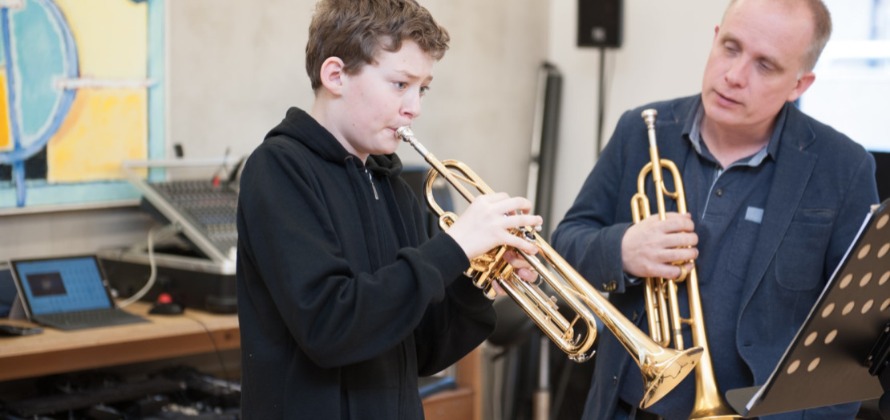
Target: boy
[343,300]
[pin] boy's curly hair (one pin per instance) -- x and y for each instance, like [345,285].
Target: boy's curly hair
[355,30]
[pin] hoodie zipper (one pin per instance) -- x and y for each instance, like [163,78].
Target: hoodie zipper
[373,188]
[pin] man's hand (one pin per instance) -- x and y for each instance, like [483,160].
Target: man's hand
[656,248]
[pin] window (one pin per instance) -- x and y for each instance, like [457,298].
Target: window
[852,89]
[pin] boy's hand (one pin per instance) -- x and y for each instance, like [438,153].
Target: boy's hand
[488,221]
[521,268]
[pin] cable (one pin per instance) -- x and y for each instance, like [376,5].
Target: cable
[152,277]
[601,99]
[219,357]
[223,168]
[235,173]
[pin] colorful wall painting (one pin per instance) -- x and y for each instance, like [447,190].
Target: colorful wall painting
[81,91]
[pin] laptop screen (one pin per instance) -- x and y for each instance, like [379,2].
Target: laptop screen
[61,284]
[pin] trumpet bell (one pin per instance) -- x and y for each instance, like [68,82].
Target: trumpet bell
[661,377]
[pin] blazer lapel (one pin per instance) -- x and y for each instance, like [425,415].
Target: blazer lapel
[674,147]
[794,166]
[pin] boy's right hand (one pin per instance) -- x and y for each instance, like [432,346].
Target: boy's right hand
[488,221]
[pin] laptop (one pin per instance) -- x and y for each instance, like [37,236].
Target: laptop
[68,293]
[8,294]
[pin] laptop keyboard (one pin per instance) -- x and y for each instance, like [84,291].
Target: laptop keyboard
[89,319]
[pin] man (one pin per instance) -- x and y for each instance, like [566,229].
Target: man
[342,300]
[775,199]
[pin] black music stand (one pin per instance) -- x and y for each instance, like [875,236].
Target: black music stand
[829,360]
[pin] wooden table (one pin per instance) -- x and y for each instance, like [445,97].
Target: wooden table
[55,351]
[195,332]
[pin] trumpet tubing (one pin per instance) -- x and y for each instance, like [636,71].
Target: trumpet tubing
[662,303]
[662,368]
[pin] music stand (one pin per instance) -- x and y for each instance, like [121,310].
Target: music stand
[827,363]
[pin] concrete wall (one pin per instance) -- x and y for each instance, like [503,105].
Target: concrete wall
[234,67]
[662,56]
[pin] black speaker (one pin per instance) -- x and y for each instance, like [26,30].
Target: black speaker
[599,23]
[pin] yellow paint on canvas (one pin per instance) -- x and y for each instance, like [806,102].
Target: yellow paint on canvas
[112,37]
[111,126]
[5,133]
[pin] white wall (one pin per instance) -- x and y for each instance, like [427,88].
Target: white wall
[235,66]
[480,108]
[665,46]
[235,69]
[70,232]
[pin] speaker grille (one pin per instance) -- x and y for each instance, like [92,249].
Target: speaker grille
[599,23]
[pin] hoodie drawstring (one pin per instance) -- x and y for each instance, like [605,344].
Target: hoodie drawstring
[371,180]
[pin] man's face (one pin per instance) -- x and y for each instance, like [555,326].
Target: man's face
[756,64]
[382,97]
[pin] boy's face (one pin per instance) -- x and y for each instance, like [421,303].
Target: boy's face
[380,98]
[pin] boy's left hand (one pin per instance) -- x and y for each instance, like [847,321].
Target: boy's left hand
[521,268]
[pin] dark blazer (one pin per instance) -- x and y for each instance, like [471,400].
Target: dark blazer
[822,188]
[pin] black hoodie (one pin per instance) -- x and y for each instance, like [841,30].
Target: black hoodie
[342,299]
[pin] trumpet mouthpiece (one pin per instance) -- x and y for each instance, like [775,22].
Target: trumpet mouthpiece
[407,136]
[649,116]
[404,132]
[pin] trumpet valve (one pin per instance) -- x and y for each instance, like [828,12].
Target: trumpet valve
[485,284]
[489,291]
[482,263]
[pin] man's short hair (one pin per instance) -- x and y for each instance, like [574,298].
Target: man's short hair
[821,28]
[356,30]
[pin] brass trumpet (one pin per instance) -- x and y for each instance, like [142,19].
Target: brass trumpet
[662,368]
[662,304]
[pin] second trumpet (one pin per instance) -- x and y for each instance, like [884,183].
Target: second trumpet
[662,301]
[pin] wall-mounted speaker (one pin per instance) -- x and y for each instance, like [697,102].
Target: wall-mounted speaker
[599,23]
